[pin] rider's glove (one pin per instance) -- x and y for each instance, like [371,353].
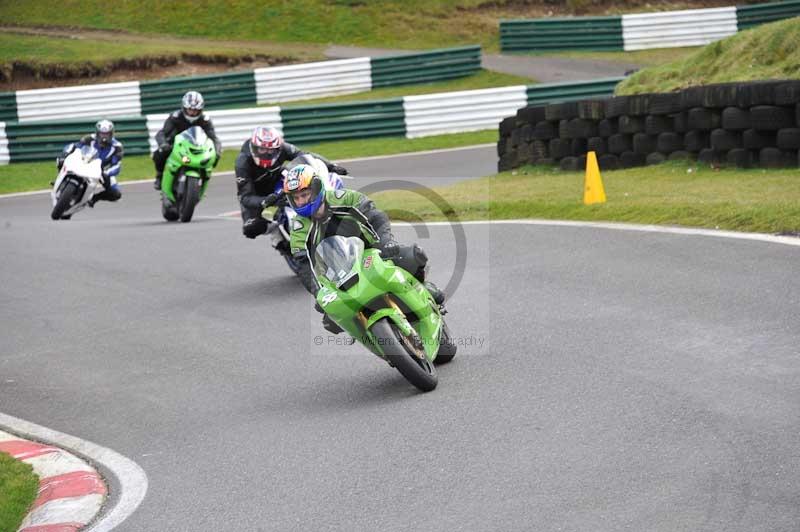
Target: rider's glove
[165,148]
[269,201]
[389,249]
[336,169]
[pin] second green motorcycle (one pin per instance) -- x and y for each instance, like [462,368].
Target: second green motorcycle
[186,174]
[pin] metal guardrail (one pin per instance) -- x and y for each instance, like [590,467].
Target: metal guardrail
[108,100]
[639,31]
[573,33]
[8,107]
[312,80]
[570,91]
[45,140]
[753,15]
[412,116]
[427,66]
[221,90]
[233,127]
[5,155]
[453,112]
[694,27]
[374,118]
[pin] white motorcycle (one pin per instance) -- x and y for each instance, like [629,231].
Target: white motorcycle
[80,178]
[284,214]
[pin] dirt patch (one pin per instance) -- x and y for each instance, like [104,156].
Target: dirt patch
[232,56]
[20,75]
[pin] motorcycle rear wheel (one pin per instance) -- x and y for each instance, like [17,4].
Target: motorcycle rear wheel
[447,348]
[64,201]
[403,354]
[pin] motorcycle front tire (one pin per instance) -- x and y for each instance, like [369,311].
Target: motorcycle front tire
[417,370]
[190,198]
[64,201]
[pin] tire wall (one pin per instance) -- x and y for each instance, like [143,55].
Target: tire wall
[744,125]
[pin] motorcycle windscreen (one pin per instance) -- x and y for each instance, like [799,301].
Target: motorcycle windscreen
[88,153]
[336,256]
[196,137]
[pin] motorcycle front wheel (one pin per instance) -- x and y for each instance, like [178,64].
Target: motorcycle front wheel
[190,198]
[65,200]
[406,354]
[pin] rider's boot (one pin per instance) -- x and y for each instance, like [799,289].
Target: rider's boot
[438,295]
[157,182]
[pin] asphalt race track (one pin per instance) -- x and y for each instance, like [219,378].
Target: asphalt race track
[606,380]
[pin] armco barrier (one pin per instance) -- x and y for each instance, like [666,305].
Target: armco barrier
[222,90]
[749,16]
[451,112]
[694,27]
[5,156]
[45,140]
[426,66]
[8,107]
[412,116]
[344,121]
[639,31]
[568,91]
[574,33]
[240,89]
[312,80]
[233,127]
[108,100]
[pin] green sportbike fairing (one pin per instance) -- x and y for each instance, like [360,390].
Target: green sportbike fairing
[384,307]
[186,174]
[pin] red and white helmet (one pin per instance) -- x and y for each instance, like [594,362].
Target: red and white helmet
[265,146]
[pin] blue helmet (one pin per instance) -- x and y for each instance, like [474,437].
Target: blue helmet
[301,178]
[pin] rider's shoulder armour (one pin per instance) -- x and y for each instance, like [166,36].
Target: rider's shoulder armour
[343,197]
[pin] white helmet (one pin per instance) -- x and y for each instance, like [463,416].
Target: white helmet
[192,105]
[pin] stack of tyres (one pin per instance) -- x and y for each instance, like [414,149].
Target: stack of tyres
[734,124]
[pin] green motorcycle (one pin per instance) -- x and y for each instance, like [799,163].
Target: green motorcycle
[384,307]
[186,174]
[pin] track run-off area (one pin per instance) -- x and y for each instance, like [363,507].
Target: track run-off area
[608,377]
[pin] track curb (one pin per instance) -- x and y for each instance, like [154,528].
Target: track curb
[71,491]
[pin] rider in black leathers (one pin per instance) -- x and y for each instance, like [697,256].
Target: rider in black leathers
[190,114]
[258,175]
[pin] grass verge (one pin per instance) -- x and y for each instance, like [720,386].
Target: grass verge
[673,193]
[57,50]
[771,51]
[645,58]
[18,488]
[408,24]
[22,177]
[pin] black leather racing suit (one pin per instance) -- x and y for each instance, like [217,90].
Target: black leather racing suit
[254,184]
